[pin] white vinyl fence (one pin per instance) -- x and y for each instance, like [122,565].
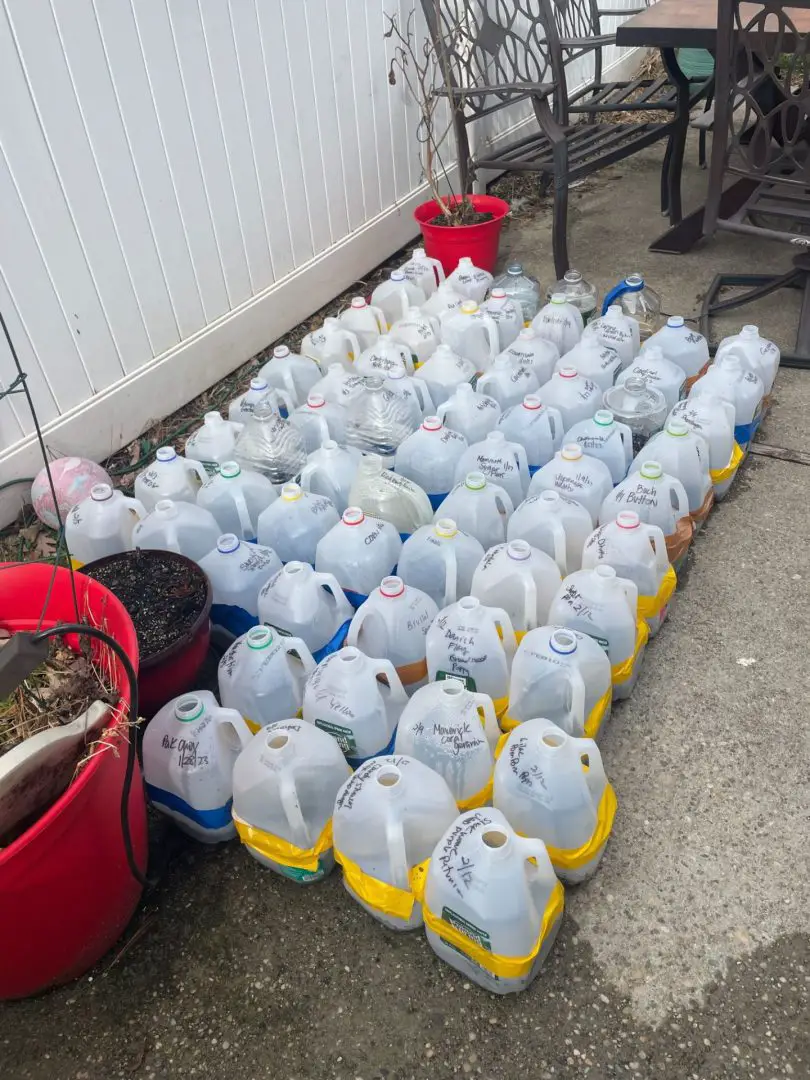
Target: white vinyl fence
[181,182]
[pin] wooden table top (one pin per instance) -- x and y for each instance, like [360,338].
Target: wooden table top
[688,24]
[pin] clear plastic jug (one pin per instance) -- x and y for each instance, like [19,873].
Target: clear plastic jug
[394,296]
[639,302]
[618,331]
[470,280]
[189,750]
[530,350]
[445,298]
[329,471]
[338,385]
[653,368]
[440,560]
[442,372]
[419,333]
[423,271]
[592,360]
[728,378]
[102,524]
[521,288]
[577,291]
[606,439]
[683,346]
[521,579]
[658,499]
[537,427]
[379,420]
[270,446]
[474,643]
[574,473]
[559,322]
[291,372]
[296,522]
[756,354]
[685,455]
[479,508]
[383,494]
[170,476]
[319,421]
[501,462]
[307,604]
[429,458]
[243,406]
[332,344]
[507,313]
[284,787]
[575,397]
[411,390]
[471,414]
[713,418]
[384,356]
[236,498]
[640,406]
[359,551]
[553,523]
[262,676]
[213,443]
[182,527]
[507,382]
[472,333]
[366,321]
[237,571]
[393,623]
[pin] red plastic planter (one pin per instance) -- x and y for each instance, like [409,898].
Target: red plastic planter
[66,890]
[449,244]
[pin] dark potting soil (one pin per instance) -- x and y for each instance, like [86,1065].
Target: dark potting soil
[477,217]
[164,598]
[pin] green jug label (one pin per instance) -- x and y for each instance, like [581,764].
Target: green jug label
[211,467]
[343,736]
[468,929]
[304,877]
[466,680]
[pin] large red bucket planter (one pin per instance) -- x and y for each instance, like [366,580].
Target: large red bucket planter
[66,888]
[448,244]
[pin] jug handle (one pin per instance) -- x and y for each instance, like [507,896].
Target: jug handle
[290,385]
[529,601]
[351,337]
[522,464]
[681,496]
[577,684]
[196,467]
[286,400]
[323,427]
[300,650]
[555,423]
[489,721]
[434,322]
[308,472]
[630,590]
[397,854]
[450,574]
[659,544]
[292,807]
[363,613]
[405,355]
[559,540]
[135,506]
[591,763]
[532,849]
[233,720]
[626,435]
[493,336]
[506,507]
[441,410]
[395,687]
[438,269]
[501,619]
[425,400]
[615,294]
[484,381]
[245,524]
[332,586]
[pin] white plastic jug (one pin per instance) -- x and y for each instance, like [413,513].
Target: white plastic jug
[552,786]
[386,495]
[443,371]
[573,473]
[553,523]
[388,817]
[189,750]
[393,623]
[423,271]
[429,458]
[618,331]
[501,462]
[182,527]
[606,439]
[445,298]
[654,368]
[685,455]
[454,731]
[507,382]
[756,354]
[284,787]
[520,579]
[562,675]
[170,476]
[307,604]
[593,360]
[366,321]
[507,314]
[332,344]
[419,333]
[492,903]
[296,522]
[658,499]
[559,322]
[440,560]
[270,445]
[338,385]
[262,676]
[291,372]
[474,643]
[213,443]
[384,356]
[237,571]
[530,350]
[319,421]
[713,417]
[411,390]
[471,414]
[359,551]
[728,378]
[575,397]
[243,406]
[236,498]
[479,508]
[472,333]
[102,524]
[329,471]
[470,280]
[683,346]
[394,296]
[537,427]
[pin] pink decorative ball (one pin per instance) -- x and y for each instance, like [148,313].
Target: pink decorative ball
[73,477]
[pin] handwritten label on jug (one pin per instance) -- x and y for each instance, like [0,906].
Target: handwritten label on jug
[458,869]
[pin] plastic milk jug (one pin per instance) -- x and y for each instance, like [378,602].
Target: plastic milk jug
[384,356]
[243,406]
[332,344]
[520,579]
[683,346]
[530,350]
[213,443]
[306,604]
[338,385]
[291,372]
[479,508]
[537,427]
[360,551]
[393,623]
[507,314]
[575,397]
[182,527]
[685,455]
[492,904]
[388,817]
[443,371]
[559,322]
[445,298]
[385,494]
[284,787]
[318,421]
[262,676]
[507,382]
[553,523]
[654,369]
[504,463]
[593,360]
[189,751]
[618,331]
[394,296]
[658,499]
[102,524]
[577,291]
[552,786]
[638,302]
[429,458]
[236,498]
[472,333]
[440,560]
[237,571]
[414,392]
[470,280]
[471,414]
[423,271]
[562,675]
[521,288]
[573,473]
[454,731]
[296,522]
[756,353]
[713,418]
[366,321]
[729,379]
[170,476]
[474,643]
[270,445]
[379,420]
[329,472]
[419,333]
[606,439]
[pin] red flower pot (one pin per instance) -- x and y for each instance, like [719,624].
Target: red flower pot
[449,243]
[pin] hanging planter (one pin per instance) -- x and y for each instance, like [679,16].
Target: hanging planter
[448,242]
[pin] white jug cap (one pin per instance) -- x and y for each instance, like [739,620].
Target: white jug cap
[165,453]
[475,481]
[358,302]
[571,452]
[563,641]
[675,320]
[498,294]
[229,469]
[281,350]
[353,515]
[603,417]
[292,491]
[257,383]
[432,423]
[628,519]
[651,470]
[259,637]
[101,492]
[166,508]
[469,307]
[677,428]
[532,401]
[518,550]
[446,527]
[228,543]
[315,401]
[188,709]
[559,298]
[568,371]
[397,275]
[391,587]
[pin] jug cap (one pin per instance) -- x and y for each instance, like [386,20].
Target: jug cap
[571,452]
[651,470]
[166,508]
[358,302]
[391,587]
[446,527]
[568,371]
[315,401]
[228,543]
[188,709]
[165,453]
[397,275]
[353,515]
[432,423]
[675,320]
[101,492]
[518,550]
[603,417]
[258,383]
[469,307]
[475,481]
[259,637]
[563,641]
[497,294]
[559,298]
[573,277]
[281,350]
[677,428]
[533,402]
[628,519]
[291,491]
[229,469]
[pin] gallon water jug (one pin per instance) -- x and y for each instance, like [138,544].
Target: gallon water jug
[329,471]
[507,382]
[501,462]
[599,603]
[366,321]
[419,333]
[522,289]
[291,372]
[388,817]
[236,498]
[262,676]
[472,333]
[170,476]
[638,302]
[429,458]
[338,385]
[479,508]
[683,346]
[440,560]
[604,438]
[655,370]
[213,443]
[756,354]
[593,360]
[559,322]
[189,751]
[538,428]
[713,417]
[385,495]
[521,579]
[574,473]
[562,675]
[445,298]
[423,271]
[304,603]
[685,455]
[577,291]
[243,406]
[658,499]
[470,414]
[395,296]
[640,406]
[530,350]
[454,731]
[393,623]
[237,572]
[411,390]
[575,397]
[182,527]
[470,280]
[729,379]
[296,522]
[379,420]
[552,786]
[636,551]
[102,524]
[617,331]
[442,372]
[332,344]
[507,314]
[270,445]
[318,421]
[359,551]
[492,904]
[474,643]
[384,356]
[555,524]
[284,786]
